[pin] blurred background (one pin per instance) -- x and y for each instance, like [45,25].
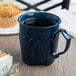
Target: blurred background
[46,4]
[72,7]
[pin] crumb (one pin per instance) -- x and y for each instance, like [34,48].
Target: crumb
[2,53]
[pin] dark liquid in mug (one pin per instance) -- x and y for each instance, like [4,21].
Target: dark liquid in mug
[41,22]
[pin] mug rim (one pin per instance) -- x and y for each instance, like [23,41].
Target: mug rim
[57,24]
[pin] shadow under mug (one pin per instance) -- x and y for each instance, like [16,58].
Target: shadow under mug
[39,44]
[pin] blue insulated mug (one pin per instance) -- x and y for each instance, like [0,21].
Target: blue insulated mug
[39,34]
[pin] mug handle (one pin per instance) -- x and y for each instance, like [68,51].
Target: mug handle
[68,41]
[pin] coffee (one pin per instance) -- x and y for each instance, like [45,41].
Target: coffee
[40,22]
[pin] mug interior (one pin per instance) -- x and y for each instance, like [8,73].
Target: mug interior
[39,19]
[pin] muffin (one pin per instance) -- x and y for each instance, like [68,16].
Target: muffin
[8,14]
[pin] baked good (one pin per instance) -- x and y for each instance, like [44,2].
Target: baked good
[8,22]
[8,14]
[7,10]
[2,53]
